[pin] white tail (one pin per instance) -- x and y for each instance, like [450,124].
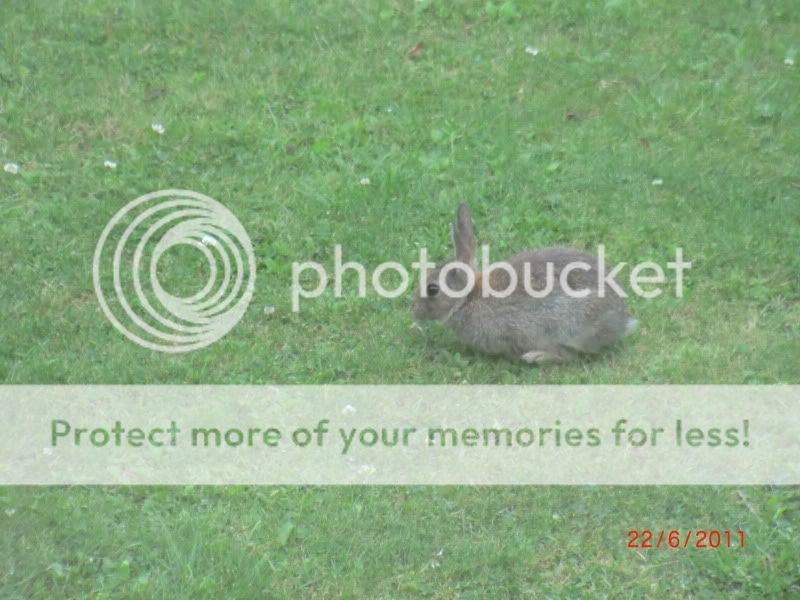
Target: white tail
[630,326]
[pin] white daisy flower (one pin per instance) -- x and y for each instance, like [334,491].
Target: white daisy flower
[657,181]
[110,164]
[366,470]
[158,128]
[532,50]
[364,181]
[11,167]
[269,310]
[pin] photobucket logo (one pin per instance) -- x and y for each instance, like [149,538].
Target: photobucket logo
[127,258]
[650,274]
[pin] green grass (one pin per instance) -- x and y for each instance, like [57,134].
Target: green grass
[278,110]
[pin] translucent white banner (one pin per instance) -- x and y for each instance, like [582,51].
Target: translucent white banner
[400,435]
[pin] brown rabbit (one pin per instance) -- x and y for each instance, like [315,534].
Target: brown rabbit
[544,327]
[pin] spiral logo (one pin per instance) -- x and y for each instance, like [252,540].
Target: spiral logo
[152,228]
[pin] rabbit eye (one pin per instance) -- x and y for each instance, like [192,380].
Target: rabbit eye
[432,289]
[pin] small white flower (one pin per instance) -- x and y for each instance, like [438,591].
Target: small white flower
[111,164]
[435,562]
[532,50]
[10,512]
[47,451]
[11,167]
[269,310]
[158,128]
[349,409]
[366,470]
[207,240]
[364,181]
[657,181]
[788,61]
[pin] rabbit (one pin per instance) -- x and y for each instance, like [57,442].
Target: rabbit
[554,328]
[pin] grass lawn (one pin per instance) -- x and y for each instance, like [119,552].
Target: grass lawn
[279,110]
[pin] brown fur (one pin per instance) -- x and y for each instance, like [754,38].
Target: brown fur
[537,330]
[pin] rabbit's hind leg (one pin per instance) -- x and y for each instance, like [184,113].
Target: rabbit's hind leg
[540,357]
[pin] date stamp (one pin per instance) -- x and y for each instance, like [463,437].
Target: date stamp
[703,539]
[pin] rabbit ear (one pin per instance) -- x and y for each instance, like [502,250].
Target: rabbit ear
[464,237]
